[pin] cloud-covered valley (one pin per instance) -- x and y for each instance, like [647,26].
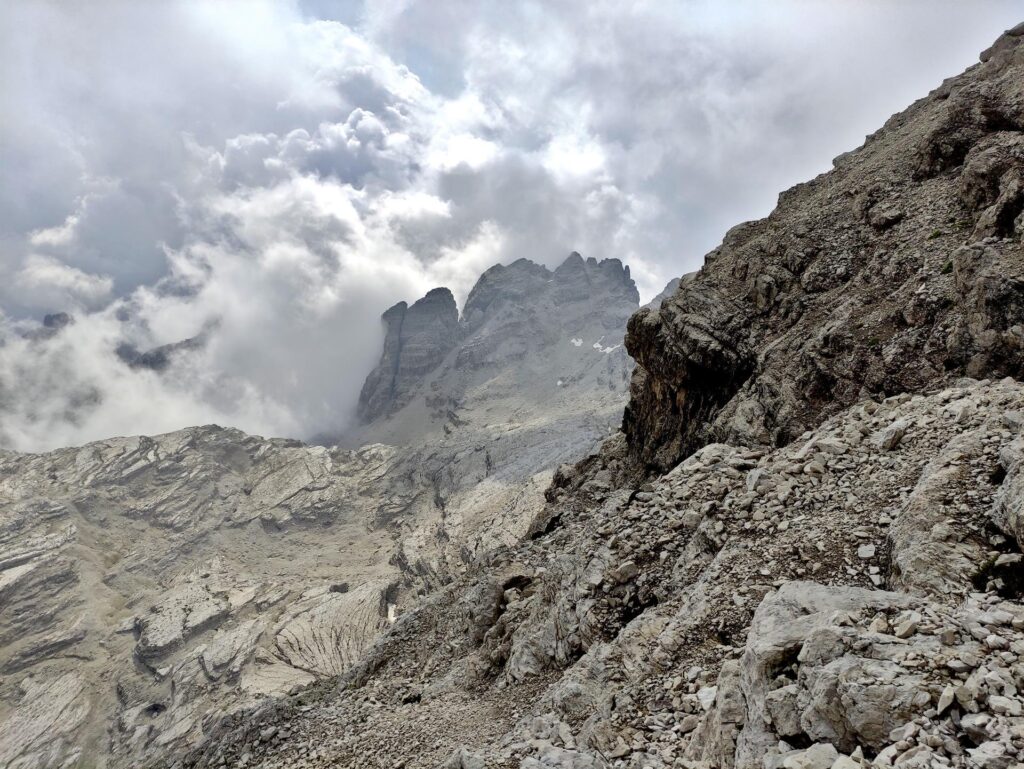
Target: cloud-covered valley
[267,178]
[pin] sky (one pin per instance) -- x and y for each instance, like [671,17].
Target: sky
[271,176]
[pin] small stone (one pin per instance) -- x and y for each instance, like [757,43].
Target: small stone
[625,572]
[879,624]
[688,724]
[996,642]
[866,551]
[1004,706]
[946,699]
[706,696]
[966,694]
[906,628]
[989,755]
[889,438]
[819,756]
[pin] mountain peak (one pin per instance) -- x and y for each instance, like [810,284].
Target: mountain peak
[513,308]
[416,339]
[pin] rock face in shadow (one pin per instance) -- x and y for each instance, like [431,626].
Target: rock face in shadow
[416,340]
[896,269]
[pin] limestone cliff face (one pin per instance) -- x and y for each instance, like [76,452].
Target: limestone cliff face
[526,332]
[898,268]
[513,310]
[416,339]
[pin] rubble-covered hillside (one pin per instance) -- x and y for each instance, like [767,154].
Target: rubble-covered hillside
[151,585]
[803,551]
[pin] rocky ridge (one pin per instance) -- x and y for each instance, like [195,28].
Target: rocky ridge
[521,311]
[899,266]
[803,550]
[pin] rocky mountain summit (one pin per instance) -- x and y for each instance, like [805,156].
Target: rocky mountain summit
[803,549]
[416,340]
[149,586]
[521,311]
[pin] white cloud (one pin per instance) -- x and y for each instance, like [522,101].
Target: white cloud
[462,149]
[572,156]
[46,281]
[60,235]
[275,180]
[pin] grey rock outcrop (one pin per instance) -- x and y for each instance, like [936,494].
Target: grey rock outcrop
[52,325]
[158,358]
[416,340]
[899,266]
[148,585]
[670,289]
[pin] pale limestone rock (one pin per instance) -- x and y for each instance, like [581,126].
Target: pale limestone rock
[40,733]
[326,634]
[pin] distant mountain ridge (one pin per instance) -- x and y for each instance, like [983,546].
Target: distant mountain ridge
[149,586]
[522,299]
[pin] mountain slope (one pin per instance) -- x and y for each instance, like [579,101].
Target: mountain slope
[737,608]
[151,585]
[900,266]
[802,551]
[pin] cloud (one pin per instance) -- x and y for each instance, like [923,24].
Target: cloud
[46,281]
[273,179]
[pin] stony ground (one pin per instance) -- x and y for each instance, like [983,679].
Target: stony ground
[744,607]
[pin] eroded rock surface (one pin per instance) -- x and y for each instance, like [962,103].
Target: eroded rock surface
[899,266]
[150,586]
[802,552]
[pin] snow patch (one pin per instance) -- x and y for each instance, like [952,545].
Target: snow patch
[599,346]
[576,342]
